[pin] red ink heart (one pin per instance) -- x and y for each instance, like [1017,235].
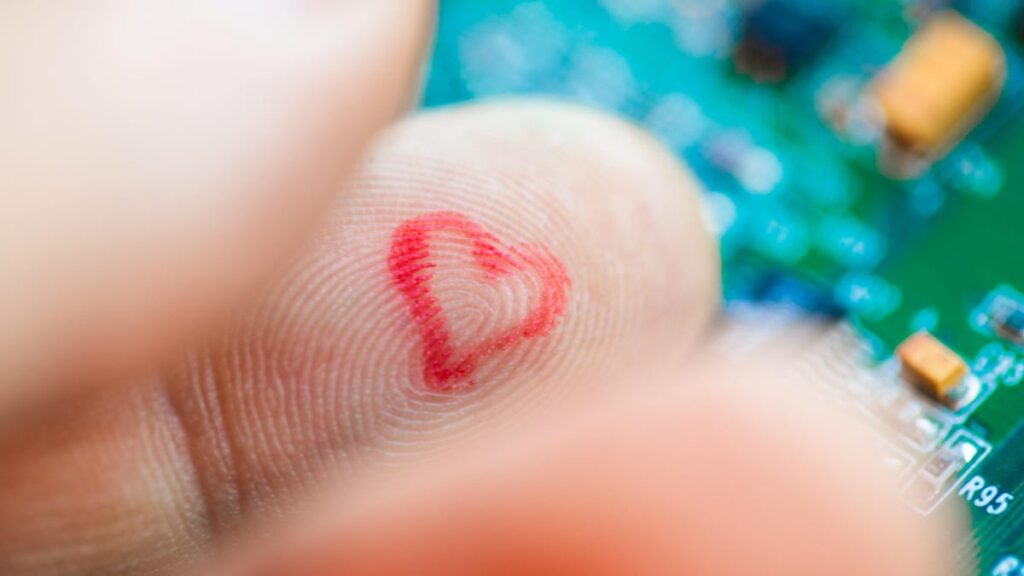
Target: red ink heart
[444,367]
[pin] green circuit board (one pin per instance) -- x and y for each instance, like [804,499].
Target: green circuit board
[763,100]
[948,280]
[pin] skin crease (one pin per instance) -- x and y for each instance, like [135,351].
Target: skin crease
[614,444]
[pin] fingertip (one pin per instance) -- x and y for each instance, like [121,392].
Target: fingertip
[602,187]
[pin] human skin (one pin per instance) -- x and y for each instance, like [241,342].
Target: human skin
[210,364]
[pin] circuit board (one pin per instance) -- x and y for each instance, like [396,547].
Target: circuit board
[862,159]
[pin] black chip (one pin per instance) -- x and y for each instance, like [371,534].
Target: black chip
[790,291]
[781,36]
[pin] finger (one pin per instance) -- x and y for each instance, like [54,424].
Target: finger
[562,246]
[727,478]
[158,160]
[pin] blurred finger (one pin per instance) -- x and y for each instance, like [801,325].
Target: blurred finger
[158,159]
[738,475]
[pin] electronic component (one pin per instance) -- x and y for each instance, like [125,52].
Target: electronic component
[908,416]
[781,36]
[947,75]
[1006,318]
[1001,314]
[1008,565]
[798,293]
[945,463]
[939,472]
[933,367]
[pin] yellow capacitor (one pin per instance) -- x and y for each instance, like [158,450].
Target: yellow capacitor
[934,367]
[944,79]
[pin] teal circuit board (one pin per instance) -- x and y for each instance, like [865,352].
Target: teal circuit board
[826,187]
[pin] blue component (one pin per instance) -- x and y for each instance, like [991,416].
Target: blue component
[851,242]
[867,295]
[786,35]
[968,169]
[781,235]
[798,293]
[1001,314]
[925,319]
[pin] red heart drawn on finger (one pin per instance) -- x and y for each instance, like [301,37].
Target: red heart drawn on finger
[445,366]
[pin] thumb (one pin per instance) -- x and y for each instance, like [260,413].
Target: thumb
[159,157]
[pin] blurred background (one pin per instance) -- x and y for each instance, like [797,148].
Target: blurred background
[763,99]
